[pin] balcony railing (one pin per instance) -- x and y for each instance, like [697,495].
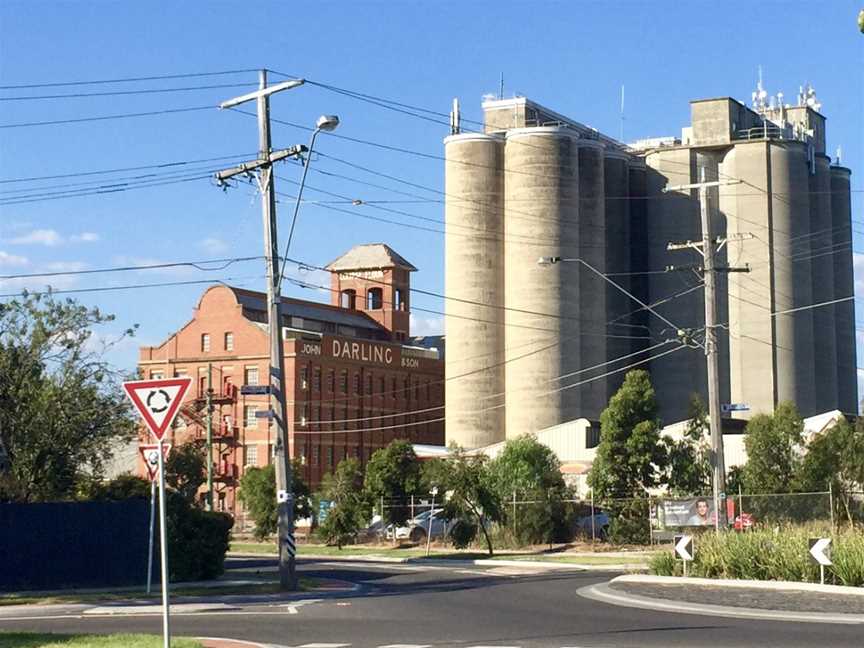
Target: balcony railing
[224,395]
[225,471]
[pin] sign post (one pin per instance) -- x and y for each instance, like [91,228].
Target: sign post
[820,553]
[158,402]
[151,462]
[684,549]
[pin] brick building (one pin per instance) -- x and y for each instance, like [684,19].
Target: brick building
[353,373]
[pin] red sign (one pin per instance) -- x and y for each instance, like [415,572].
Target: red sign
[158,401]
[150,453]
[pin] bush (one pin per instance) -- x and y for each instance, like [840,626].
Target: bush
[629,522]
[463,533]
[764,554]
[197,540]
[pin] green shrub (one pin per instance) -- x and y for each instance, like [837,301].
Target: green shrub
[770,554]
[463,533]
[628,522]
[197,540]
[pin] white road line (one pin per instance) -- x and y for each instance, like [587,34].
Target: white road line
[324,645]
[406,646]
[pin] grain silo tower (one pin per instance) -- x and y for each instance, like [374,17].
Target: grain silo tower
[474,285]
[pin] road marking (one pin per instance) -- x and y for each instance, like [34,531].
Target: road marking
[292,607]
[324,645]
[406,646]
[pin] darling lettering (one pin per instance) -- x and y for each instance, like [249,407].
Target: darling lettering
[362,351]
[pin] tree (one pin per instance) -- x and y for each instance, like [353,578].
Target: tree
[62,410]
[689,459]
[394,473]
[186,469]
[350,510]
[630,457]
[473,502]
[258,495]
[835,459]
[774,445]
[532,472]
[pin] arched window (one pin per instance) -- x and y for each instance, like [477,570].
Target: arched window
[348,299]
[374,299]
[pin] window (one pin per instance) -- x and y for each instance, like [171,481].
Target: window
[406,387]
[303,455]
[304,417]
[157,374]
[304,378]
[343,382]
[428,391]
[417,390]
[592,436]
[356,383]
[249,419]
[229,341]
[331,380]
[348,299]
[382,385]
[180,373]
[398,300]
[316,454]
[374,299]
[394,391]
[331,455]
[205,342]
[250,376]
[252,455]
[316,380]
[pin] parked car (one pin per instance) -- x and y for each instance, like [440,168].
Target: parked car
[417,528]
[601,524]
[744,522]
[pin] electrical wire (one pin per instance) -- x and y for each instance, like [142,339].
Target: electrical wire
[71,291]
[116,93]
[160,77]
[198,265]
[79,120]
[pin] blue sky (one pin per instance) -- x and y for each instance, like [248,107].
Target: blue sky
[570,56]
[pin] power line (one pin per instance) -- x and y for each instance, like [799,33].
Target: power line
[127,287]
[160,77]
[198,265]
[115,93]
[53,122]
[159,165]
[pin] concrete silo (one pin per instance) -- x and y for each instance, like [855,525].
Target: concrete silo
[617,172]
[474,283]
[541,211]
[638,254]
[790,217]
[591,246]
[819,246]
[844,286]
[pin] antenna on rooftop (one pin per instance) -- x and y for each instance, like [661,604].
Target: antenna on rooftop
[501,87]
[621,136]
[455,118]
[759,95]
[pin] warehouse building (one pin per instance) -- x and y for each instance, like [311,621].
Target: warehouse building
[355,378]
[536,346]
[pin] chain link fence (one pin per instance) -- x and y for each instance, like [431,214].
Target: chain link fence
[638,521]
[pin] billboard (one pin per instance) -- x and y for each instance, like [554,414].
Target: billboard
[689,512]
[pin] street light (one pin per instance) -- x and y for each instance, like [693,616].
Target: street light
[327,123]
[551,260]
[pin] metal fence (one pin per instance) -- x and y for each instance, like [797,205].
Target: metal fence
[631,520]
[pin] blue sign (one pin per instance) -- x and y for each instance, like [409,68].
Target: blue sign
[324,507]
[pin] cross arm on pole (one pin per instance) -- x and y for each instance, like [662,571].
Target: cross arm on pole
[248,167]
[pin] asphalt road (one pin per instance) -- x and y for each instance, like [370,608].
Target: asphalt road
[413,606]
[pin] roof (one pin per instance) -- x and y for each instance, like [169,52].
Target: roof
[372,256]
[290,307]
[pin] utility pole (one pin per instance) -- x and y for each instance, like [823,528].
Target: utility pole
[209,436]
[278,405]
[707,250]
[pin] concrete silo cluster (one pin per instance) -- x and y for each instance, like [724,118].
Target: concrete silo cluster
[530,346]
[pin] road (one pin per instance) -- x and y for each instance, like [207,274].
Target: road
[412,606]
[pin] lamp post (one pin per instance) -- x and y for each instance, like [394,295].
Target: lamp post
[326,123]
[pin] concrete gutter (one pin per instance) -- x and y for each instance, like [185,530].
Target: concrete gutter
[781,586]
[605,594]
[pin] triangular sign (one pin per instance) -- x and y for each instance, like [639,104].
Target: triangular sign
[158,401]
[150,453]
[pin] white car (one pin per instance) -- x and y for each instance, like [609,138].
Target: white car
[417,528]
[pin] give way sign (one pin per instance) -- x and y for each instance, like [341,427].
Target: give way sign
[150,454]
[158,401]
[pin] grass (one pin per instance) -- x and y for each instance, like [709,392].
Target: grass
[306,584]
[40,640]
[769,554]
[440,554]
